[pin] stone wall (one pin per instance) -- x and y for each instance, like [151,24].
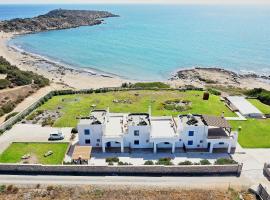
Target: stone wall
[210,170]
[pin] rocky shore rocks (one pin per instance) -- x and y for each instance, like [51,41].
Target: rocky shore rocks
[55,20]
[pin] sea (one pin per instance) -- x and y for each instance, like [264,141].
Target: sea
[151,42]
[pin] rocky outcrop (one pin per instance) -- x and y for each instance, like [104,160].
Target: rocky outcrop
[55,20]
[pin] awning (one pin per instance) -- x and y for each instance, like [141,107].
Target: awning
[220,122]
[82,152]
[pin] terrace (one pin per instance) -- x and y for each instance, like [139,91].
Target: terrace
[163,130]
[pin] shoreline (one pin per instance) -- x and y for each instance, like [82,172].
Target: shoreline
[58,73]
[79,78]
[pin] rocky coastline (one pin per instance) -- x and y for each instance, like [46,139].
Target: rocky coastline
[55,20]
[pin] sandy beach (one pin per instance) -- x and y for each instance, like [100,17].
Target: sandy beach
[58,74]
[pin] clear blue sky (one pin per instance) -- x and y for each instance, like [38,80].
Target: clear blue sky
[139,1]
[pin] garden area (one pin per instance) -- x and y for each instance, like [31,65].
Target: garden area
[34,153]
[69,107]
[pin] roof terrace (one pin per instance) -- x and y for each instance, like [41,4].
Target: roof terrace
[138,119]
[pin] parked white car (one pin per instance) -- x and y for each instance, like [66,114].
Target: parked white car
[56,136]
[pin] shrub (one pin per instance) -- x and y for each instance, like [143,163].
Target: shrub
[112,159]
[1,112]
[123,163]
[149,162]
[10,115]
[164,161]
[261,94]
[150,85]
[187,162]
[2,188]
[4,83]
[74,130]
[205,162]
[8,107]
[225,161]
[214,91]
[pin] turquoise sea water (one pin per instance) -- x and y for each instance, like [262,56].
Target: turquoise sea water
[150,42]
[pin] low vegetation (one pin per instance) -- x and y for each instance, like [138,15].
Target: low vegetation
[225,161]
[148,85]
[78,105]
[17,77]
[119,193]
[11,115]
[36,151]
[164,161]
[261,94]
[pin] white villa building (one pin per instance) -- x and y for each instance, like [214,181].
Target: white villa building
[142,131]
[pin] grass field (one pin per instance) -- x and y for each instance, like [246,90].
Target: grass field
[255,133]
[261,106]
[72,106]
[16,150]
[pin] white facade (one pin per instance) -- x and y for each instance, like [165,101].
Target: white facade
[141,131]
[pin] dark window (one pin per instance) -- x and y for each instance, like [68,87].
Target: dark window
[180,140]
[98,140]
[190,142]
[86,132]
[97,144]
[166,143]
[136,133]
[147,141]
[87,141]
[191,133]
[136,142]
[201,141]
[198,145]
[221,143]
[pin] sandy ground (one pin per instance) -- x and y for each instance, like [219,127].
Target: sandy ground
[60,75]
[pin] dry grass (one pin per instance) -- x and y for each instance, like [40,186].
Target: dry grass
[121,193]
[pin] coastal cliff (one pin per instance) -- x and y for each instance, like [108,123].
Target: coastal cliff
[55,20]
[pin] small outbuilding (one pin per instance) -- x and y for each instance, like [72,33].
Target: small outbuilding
[81,154]
[242,105]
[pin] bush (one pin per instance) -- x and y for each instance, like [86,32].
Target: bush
[205,162]
[187,162]
[150,85]
[112,159]
[1,112]
[164,161]
[10,115]
[4,83]
[261,94]
[74,130]
[2,188]
[214,91]
[149,162]
[8,107]
[123,163]
[225,161]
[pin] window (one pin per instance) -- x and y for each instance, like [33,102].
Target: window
[136,133]
[87,141]
[190,142]
[221,143]
[136,142]
[201,141]
[147,141]
[198,145]
[98,140]
[191,133]
[97,144]
[166,143]
[180,140]
[86,132]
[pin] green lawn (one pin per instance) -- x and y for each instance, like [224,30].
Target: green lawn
[261,106]
[255,133]
[73,106]
[16,150]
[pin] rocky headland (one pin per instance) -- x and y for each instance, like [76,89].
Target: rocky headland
[55,20]
[203,77]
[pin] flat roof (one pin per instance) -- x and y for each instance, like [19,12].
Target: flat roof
[191,120]
[96,117]
[243,105]
[115,126]
[216,133]
[163,127]
[138,119]
[82,152]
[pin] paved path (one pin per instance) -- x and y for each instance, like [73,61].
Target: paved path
[183,182]
[29,133]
